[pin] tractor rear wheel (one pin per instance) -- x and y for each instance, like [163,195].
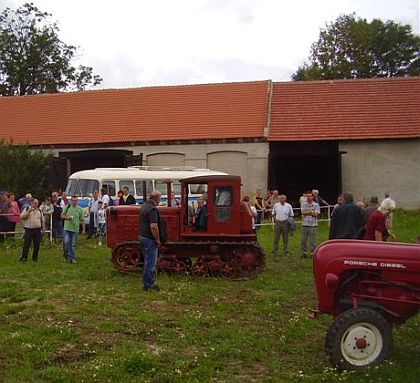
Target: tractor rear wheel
[358,338]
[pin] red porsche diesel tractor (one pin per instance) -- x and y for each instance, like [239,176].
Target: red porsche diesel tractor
[367,286]
[223,243]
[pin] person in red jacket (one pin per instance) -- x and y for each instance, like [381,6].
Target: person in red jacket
[376,228]
[15,213]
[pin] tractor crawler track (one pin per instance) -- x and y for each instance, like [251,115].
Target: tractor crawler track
[229,259]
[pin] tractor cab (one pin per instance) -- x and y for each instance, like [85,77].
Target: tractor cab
[218,212]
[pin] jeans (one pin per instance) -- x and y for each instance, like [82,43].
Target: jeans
[150,251]
[69,244]
[31,235]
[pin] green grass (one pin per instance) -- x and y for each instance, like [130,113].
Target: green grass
[87,323]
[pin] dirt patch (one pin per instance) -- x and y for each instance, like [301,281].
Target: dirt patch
[67,354]
[153,348]
[61,303]
[245,373]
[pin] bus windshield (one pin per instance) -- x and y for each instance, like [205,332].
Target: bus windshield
[82,188]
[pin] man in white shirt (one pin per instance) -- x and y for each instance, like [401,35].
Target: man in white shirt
[282,211]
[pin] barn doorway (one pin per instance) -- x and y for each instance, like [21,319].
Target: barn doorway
[295,167]
[70,162]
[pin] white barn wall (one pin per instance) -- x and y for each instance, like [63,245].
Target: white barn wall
[373,167]
[369,167]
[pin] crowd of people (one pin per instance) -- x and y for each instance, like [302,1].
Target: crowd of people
[58,216]
[349,220]
[65,220]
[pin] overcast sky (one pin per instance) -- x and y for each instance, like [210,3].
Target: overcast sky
[133,43]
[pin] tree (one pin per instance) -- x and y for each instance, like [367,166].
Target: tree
[23,170]
[33,59]
[354,48]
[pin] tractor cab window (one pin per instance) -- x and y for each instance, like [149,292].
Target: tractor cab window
[176,188]
[223,201]
[196,209]
[198,188]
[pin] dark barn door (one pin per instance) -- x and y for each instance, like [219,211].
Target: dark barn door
[58,174]
[91,159]
[295,167]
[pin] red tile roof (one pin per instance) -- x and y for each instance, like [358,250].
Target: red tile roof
[345,109]
[191,112]
[302,111]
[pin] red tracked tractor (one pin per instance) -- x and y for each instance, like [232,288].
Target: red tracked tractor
[224,245]
[367,286]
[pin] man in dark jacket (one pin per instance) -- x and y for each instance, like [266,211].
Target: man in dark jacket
[348,220]
[127,198]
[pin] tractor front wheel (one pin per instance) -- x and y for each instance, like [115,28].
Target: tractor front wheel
[358,338]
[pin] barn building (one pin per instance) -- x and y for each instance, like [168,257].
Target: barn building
[354,135]
[361,136]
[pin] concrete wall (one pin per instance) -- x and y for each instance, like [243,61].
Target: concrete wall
[371,167]
[248,160]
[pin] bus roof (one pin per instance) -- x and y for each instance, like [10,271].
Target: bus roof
[141,173]
[213,177]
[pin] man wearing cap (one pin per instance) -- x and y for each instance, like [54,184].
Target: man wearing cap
[25,202]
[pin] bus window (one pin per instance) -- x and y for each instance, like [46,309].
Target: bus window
[85,187]
[129,184]
[139,187]
[110,187]
[161,186]
[71,186]
[92,186]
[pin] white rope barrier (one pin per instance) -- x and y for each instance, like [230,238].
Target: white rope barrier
[298,221]
[49,232]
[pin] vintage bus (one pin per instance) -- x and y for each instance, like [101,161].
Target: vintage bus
[140,180]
